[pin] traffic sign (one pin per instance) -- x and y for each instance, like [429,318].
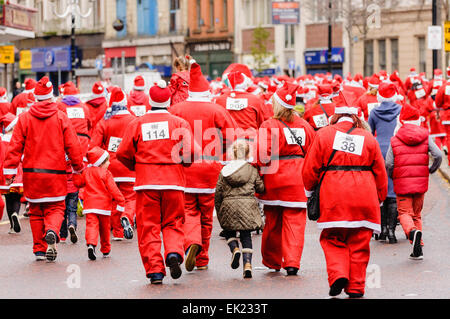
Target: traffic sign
[99,64]
[7,54]
[447,36]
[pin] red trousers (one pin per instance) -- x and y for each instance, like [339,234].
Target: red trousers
[130,208]
[347,254]
[2,207]
[98,225]
[409,209]
[283,237]
[45,217]
[447,131]
[197,227]
[159,211]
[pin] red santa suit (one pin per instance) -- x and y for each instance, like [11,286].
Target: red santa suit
[443,104]
[421,101]
[19,102]
[97,104]
[368,101]
[101,196]
[211,124]
[319,114]
[78,114]
[281,159]
[348,214]
[5,106]
[138,101]
[179,85]
[245,108]
[155,146]
[44,162]
[108,135]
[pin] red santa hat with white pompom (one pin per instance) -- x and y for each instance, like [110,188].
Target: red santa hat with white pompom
[98,90]
[160,95]
[43,89]
[286,95]
[198,85]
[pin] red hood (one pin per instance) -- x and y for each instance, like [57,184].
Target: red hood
[412,134]
[43,109]
[137,98]
[97,101]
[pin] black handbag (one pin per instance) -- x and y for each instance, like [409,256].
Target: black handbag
[313,202]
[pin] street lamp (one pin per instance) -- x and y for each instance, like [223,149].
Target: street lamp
[74,9]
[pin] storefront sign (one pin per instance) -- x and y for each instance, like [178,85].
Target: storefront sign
[7,54]
[321,56]
[285,12]
[25,60]
[51,59]
[211,46]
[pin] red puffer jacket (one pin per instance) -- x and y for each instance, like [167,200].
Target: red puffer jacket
[410,148]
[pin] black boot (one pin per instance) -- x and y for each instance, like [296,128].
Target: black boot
[247,261]
[392,220]
[235,251]
[384,228]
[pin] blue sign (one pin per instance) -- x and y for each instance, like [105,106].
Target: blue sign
[99,64]
[263,73]
[285,12]
[51,59]
[291,64]
[321,56]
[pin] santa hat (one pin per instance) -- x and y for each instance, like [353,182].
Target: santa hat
[97,90]
[160,94]
[30,84]
[69,89]
[409,114]
[3,95]
[96,156]
[237,80]
[43,89]
[198,85]
[374,81]
[139,83]
[117,97]
[438,74]
[448,71]
[61,89]
[30,99]
[387,92]
[286,95]
[8,121]
[345,103]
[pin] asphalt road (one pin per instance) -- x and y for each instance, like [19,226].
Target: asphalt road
[391,275]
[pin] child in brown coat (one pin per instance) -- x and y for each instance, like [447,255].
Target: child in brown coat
[236,205]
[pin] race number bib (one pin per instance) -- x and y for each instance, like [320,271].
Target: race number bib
[420,93]
[320,120]
[155,131]
[114,143]
[236,104]
[75,113]
[437,83]
[138,110]
[371,106]
[352,144]
[447,90]
[6,138]
[20,110]
[299,135]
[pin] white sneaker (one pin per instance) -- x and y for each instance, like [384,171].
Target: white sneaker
[15,222]
[117,238]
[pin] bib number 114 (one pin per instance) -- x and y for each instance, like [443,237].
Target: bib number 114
[155,131]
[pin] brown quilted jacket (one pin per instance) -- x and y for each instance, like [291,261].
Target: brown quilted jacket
[235,202]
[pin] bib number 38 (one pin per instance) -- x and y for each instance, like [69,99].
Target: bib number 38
[352,144]
[155,131]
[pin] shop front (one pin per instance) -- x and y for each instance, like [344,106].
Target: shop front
[316,61]
[213,56]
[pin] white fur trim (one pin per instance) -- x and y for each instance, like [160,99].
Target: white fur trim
[12,124]
[9,171]
[124,179]
[386,99]
[283,203]
[159,187]
[120,208]
[232,167]
[308,193]
[46,199]
[162,84]
[44,97]
[438,135]
[346,110]
[446,122]
[101,159]
[415,122]
[204,94]
[96,211]
[139,88]
[162,104]
[193,190]
[281,102]
[350,224]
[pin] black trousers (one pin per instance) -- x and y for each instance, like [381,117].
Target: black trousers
[245,237]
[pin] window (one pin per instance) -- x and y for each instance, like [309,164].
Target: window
[394,55]
[199,14]
[211,14]
[173,11]
[382,54]
[368,58]
[422,55]
[320,10]
[257,12]
[289,36]
[225,14]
